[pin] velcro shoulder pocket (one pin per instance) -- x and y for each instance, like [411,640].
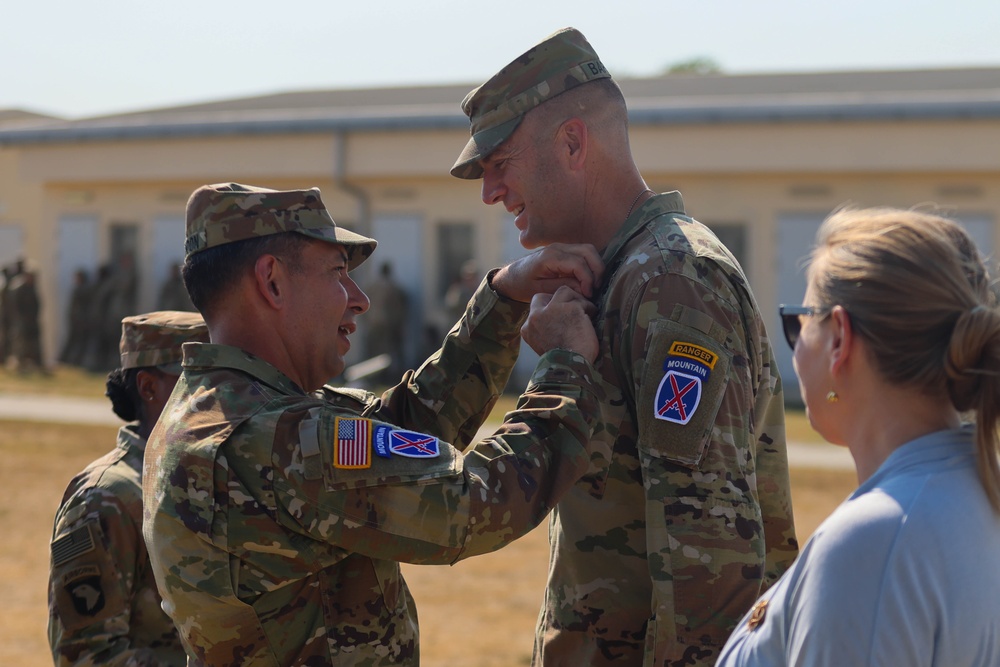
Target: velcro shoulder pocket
[684,382]
[351,452]
[85,581]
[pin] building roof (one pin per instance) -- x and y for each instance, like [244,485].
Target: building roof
[10,118]
[946,94]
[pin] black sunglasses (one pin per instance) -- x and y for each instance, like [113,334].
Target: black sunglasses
[791,320]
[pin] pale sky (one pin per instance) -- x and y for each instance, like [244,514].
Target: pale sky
[76,59]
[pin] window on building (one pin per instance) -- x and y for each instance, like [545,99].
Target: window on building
[123,241]
[455,246]
[734,236]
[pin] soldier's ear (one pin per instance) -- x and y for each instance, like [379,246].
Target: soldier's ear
[269,277]
[572,138]
[145,384]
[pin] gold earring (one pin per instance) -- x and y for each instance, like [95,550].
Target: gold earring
[831,397]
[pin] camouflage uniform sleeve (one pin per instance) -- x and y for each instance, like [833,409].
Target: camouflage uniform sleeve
[91,577]
[693,371]
[442,509]
[774,487]
[455,389]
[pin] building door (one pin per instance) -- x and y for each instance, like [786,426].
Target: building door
[796,236]
[77,248]
[11,243]
[454,248]
[401,245]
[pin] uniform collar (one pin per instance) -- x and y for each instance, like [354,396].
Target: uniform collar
[668,202]
[129,438]
[201,357]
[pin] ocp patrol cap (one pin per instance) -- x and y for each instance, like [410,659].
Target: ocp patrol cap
[155,339]
[560,62]
[227,212]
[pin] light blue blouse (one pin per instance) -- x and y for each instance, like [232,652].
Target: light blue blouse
[905,572]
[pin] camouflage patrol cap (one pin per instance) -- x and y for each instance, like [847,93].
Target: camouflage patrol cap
[227,212]
[560,62]
[154,339]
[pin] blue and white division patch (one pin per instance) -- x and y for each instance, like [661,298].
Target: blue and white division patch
[686,367]
[414,445]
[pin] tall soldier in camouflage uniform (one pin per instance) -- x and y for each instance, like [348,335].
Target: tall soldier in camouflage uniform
[104,608]
[277,509]
[685,515]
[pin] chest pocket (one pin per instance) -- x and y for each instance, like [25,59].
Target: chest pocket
[684,382]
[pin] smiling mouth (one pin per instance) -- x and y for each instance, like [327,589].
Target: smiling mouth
[347,329]
[517,210]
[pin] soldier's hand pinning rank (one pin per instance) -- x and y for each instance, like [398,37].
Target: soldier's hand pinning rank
[561,320]
[574,265]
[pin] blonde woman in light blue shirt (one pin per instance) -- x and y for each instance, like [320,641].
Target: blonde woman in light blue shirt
[897,341]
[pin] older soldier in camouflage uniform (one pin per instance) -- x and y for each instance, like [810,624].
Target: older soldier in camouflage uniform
[103,605]
[277,509]
[685,514]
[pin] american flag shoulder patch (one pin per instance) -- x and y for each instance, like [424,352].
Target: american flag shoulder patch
[76,543]
[353,447]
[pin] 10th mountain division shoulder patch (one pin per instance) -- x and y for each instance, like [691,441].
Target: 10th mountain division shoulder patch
[686,368]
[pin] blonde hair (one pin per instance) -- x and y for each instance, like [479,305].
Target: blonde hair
[918,292]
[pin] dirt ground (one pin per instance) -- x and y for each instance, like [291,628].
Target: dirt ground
[484,607]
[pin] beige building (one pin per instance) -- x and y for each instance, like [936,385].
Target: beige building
[760,158]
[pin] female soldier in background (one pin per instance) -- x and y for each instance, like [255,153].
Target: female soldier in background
[103,605]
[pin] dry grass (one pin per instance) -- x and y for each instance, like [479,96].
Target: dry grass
[38,462]
[491,602]
[62,381]
[486,605]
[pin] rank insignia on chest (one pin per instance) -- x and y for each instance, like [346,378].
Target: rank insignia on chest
[414,445]
[686,368]
[353,449]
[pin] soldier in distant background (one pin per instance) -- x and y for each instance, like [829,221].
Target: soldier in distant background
[461,290]
[77,320]
[122,303]
[114,299]
[25,307]
[5,314]
[101,337]
[386,321]
[173,295]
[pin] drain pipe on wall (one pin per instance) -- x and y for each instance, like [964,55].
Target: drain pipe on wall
[364,222]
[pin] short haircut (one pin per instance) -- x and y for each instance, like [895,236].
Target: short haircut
[600,103]
[210,274]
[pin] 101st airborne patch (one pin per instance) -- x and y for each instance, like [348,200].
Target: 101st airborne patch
[686,368]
